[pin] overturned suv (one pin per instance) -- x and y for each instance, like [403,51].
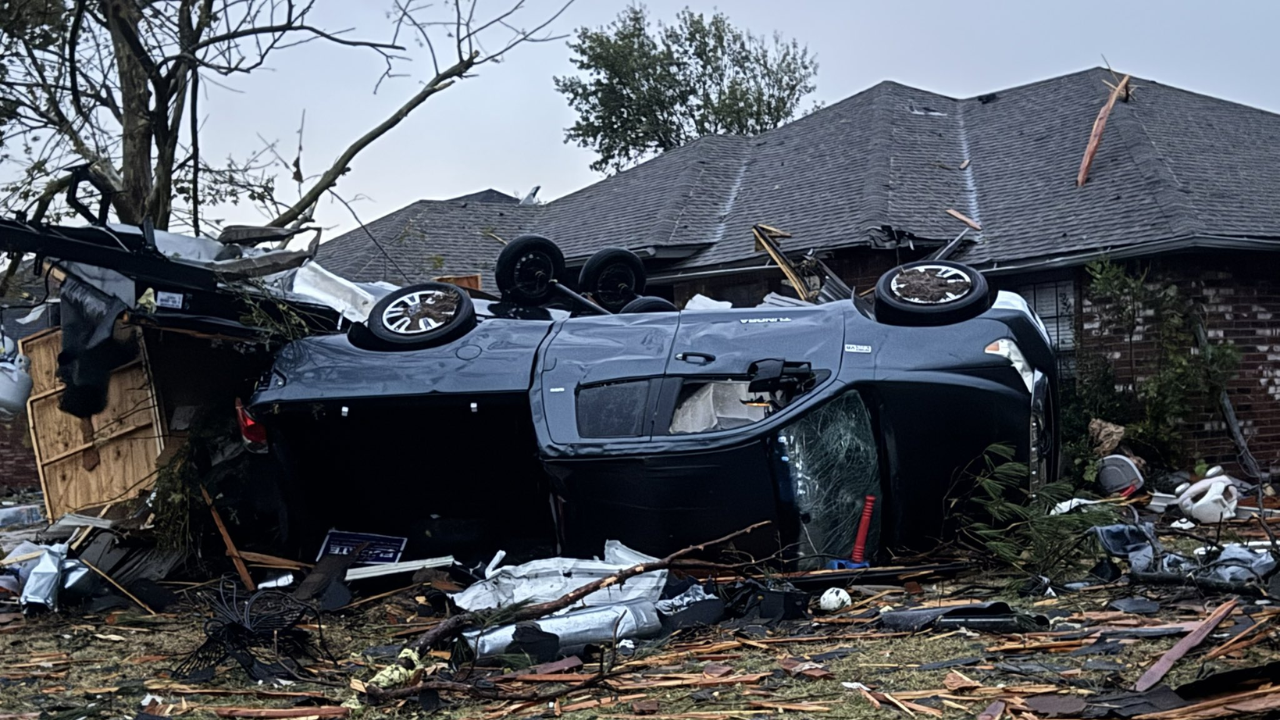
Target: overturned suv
[468,424]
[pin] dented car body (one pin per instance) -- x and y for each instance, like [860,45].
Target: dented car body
[663,429]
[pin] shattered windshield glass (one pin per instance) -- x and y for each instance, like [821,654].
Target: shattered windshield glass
[831,453]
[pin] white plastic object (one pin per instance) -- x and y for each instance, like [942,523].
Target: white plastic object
[702,302]
[1118,474]
[834,599]
[1067,506]
[1210,501]
[15,387]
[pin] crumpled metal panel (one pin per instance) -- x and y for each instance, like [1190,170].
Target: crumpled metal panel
[573,630]
[45,579]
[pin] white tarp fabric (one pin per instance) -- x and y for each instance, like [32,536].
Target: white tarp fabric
[338,293]
[702,302]
[545,580]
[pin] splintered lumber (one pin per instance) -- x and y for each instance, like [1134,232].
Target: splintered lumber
[226,539]
[1245,703]
[963,218]
[603,702]
[1099,124]
[119,587]
[993,711]
[298,712]
[799,707]
[1238,642]
[273,561]
[681,655]
[670,681]
[1156,672]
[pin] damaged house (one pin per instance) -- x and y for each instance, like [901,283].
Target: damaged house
[1183,183]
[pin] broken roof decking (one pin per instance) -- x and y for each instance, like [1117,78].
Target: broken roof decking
[1173,167]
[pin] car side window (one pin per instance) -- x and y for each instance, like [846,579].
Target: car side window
[615,410]
[715,405]
[834,464]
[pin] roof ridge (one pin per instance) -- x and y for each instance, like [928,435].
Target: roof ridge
[875,181]
[1163,184]
[1034,83]
[972,197]
[683,189]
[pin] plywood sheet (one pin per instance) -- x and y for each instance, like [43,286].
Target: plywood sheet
[86,462]
[43,348]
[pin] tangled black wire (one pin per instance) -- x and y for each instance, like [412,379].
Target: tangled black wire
[260,632]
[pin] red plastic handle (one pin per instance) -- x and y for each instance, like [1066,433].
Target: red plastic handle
[860,547]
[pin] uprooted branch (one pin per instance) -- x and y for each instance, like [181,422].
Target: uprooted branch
[454,626]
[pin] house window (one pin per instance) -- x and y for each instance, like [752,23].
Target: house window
[1055,303]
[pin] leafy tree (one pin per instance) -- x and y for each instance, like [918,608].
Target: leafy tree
[644,91]
[116,86]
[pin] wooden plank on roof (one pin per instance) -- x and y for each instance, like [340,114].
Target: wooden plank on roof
[1095,136]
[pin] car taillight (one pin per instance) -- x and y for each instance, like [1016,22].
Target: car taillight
[253,432]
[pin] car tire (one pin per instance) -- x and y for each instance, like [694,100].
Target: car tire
[526,268]
[612,277]
[931,292]
[648,304]
[422,316]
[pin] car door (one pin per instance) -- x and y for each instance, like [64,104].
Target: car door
[600,377]
[721,361]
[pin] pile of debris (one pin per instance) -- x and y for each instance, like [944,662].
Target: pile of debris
[1185,631]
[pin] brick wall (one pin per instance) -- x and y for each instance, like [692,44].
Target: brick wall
[1240,296]
[17,460]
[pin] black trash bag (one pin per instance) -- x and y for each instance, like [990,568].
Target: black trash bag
[751,600]
[89,349]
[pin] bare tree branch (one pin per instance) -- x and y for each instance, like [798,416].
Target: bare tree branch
[341,165]
[118,83]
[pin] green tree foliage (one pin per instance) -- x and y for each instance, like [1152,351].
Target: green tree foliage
[998,516]
[644,90]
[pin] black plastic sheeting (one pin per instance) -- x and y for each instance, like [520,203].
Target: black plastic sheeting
[997,617]
[89,350]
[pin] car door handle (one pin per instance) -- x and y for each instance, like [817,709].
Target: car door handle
[702,358]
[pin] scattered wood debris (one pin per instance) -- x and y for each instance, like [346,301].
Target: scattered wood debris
[963,218]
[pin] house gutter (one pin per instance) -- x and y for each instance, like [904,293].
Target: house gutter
[1199,242]
[680,276]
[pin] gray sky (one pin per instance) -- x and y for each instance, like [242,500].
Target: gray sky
[505,128]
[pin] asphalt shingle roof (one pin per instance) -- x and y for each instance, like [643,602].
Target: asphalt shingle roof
[882,167]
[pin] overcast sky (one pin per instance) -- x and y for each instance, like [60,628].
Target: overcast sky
[504,128]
